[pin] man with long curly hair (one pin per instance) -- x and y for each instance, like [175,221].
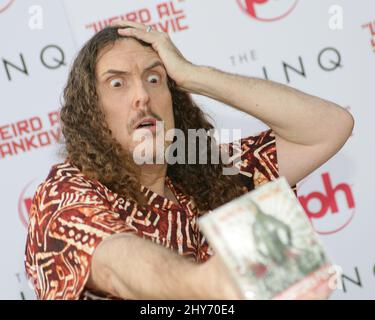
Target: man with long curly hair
[104,226]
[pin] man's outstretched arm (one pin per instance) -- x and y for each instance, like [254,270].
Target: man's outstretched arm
[308,129]
[129,267]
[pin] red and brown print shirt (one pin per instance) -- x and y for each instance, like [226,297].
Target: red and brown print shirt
[71,214]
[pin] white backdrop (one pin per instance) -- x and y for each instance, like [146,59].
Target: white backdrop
[296,42]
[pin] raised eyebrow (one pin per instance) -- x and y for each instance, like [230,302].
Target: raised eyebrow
[121,72]
[113,71]
[154,65]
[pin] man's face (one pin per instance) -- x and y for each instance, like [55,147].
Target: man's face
[132,86]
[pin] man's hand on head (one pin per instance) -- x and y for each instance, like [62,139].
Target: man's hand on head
[174,62]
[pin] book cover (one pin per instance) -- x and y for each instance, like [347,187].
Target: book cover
[268,244]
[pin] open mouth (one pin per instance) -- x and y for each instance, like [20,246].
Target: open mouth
[148,123]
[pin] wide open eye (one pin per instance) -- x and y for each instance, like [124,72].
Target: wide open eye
[116,83]
[153,78]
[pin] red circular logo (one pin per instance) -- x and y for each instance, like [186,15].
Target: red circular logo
[330,208]
[25,201]
[267,10]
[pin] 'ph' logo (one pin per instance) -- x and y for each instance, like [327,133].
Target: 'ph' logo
[267,10]
[336,206]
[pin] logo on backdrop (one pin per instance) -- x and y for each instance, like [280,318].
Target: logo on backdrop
[370,27]
[51,56]
[267,10]
[166,16]
[5,4]
[328,59]
[25,201]
[331,208]
[29,134]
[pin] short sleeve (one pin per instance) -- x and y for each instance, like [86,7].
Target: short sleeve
[258,163]
[68,220]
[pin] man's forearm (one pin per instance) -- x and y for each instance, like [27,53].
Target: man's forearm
[139,269]
[297,117]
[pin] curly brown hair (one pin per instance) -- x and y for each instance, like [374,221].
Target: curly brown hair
[90,145]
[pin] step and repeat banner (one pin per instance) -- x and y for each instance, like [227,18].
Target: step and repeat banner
[323,47]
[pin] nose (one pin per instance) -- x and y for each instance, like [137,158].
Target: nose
[141,96]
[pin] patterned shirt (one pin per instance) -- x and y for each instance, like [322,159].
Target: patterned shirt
[71,214]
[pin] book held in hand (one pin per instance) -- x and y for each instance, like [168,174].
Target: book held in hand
[268,244]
